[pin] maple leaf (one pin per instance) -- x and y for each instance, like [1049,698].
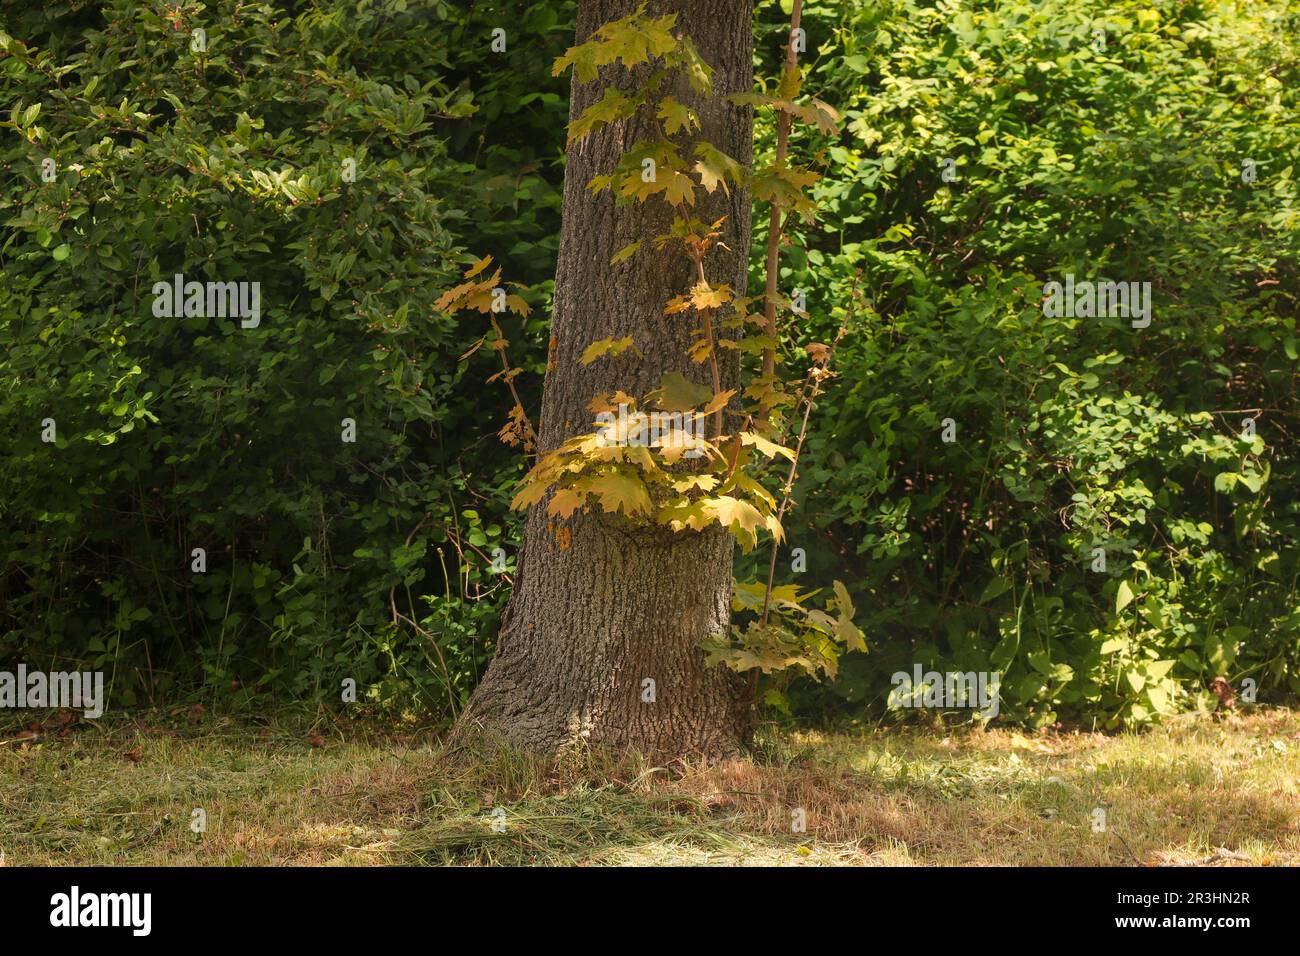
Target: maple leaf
[614,347]
[640,456]
[817,113]
[718,401]
[705,297]
[774,528]
[637,38]
[682,515]
[627,252]
[620,491]
[742,480]
[583,59]
[715,167]
[676,116]
[678,303]
[472,349]
[768,448]
[675,443]
[783,186]
[691,482]
[753,344]
[676,393]
[566,501]
[698,72]
[678,188]
[615,105]
[467,294]
[845,629]
[532,492]
[478,267]
[631,40]
[819,353]
[610,403]
[739,517]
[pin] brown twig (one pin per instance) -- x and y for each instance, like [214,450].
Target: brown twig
[510,383]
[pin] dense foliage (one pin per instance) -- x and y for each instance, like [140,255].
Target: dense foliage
[1118,156]
[325,559]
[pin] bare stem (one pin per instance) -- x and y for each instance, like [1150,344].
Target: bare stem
[815,377]
[707,317]
[774,225]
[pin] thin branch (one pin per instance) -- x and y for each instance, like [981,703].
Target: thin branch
[816,375]
[774,226]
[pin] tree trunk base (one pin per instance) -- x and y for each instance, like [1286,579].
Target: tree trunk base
[616,664]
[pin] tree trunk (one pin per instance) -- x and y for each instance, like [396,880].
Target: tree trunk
[601,606]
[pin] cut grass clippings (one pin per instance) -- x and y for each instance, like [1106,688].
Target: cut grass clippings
[1205,791]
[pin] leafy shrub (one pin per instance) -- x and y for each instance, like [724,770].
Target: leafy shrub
[1071,434]
[230,159]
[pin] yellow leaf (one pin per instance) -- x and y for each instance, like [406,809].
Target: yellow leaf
[532,492]
[704,297]
[739,517]
[619,491]
[679,189]
[719,401]
[566,502]
[610,108]
[681,516]
[715,167]
[768,448]
[690,482]
[614,347]
[478,267]
[678,303]
[610,403]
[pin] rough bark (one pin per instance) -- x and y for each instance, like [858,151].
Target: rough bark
[601,604]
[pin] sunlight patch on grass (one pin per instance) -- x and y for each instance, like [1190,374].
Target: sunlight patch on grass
[1213,792]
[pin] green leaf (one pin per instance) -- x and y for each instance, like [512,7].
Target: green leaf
[676,116]
[677,393]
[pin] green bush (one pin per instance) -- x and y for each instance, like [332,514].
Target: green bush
[1122,162]
[230,160]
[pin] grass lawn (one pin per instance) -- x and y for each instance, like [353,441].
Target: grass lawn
[1202,791]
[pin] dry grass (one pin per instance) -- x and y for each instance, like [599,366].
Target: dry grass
[1217,792]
